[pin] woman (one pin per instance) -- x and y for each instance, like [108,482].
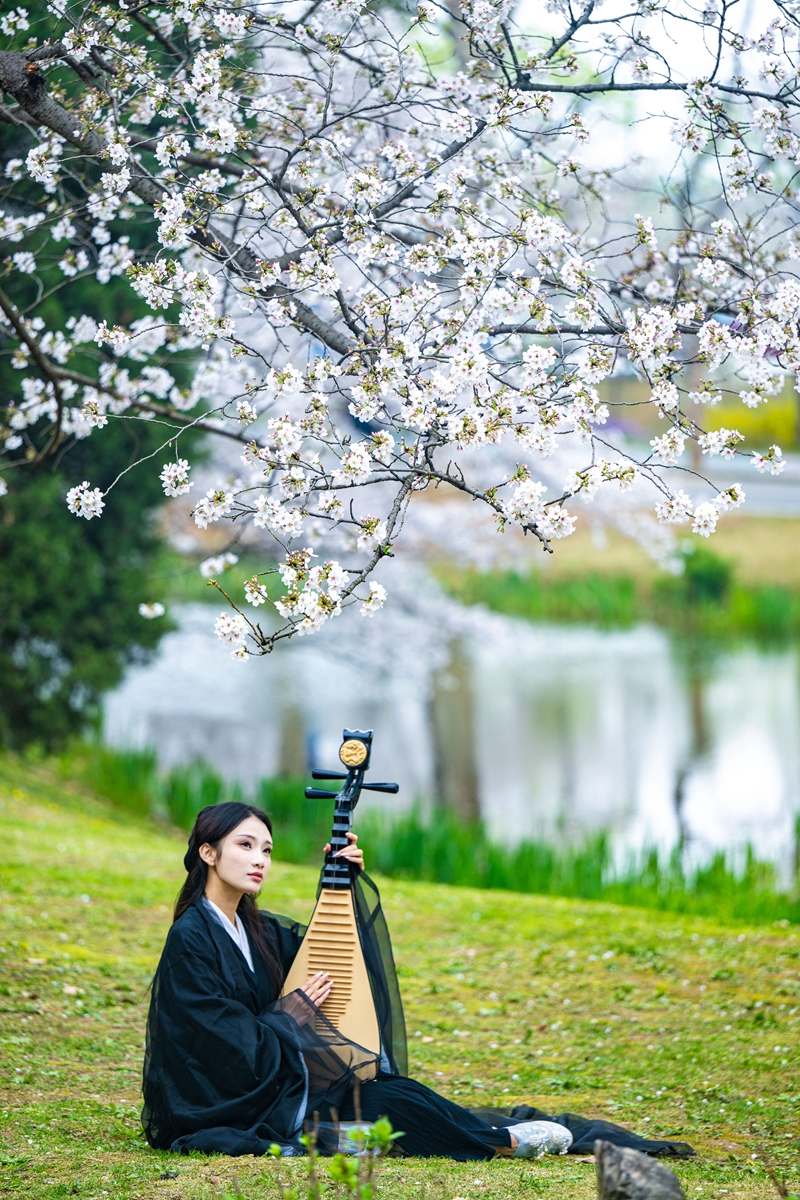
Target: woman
[231,1067]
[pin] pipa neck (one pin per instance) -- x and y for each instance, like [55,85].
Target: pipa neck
[337,875]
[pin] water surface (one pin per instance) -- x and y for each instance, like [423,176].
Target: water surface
[544,731]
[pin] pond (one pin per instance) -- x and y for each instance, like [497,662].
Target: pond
[543,731]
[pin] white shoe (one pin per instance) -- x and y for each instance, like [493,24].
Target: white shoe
[537,1138]
[348,1144]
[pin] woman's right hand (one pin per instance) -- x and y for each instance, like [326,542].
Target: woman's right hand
[318,987]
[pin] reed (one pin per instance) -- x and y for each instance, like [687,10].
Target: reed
[439,848]
[125,777]
[443,850]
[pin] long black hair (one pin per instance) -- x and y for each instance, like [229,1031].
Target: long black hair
[212,825]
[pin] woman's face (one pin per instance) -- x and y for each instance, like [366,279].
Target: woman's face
[243,858]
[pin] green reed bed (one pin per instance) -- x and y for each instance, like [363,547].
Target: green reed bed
[704,600]
[131,781]
[443,850]
[439,848]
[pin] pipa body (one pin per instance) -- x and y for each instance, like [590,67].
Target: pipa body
[332,942]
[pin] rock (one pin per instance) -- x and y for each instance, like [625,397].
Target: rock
[625,1174]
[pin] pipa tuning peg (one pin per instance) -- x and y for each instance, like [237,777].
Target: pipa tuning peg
[329,775]
[318,794]
[394,788]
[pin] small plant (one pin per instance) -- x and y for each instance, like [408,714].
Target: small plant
[352,1176]
[706,577]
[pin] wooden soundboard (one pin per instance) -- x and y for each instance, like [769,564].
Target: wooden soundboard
[332,944]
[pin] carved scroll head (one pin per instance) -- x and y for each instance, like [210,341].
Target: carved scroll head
[353,752]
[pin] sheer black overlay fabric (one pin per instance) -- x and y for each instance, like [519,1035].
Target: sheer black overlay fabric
[231,1068]
[377,947]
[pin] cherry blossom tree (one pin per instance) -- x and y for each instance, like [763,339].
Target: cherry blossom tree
[397,243]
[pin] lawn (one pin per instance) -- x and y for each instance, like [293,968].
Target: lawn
[675,1026]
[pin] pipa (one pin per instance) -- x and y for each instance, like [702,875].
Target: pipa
[332,942]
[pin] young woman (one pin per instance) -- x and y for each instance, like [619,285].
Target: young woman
[232,1067]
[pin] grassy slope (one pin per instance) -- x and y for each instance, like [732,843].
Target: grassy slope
[666,1024]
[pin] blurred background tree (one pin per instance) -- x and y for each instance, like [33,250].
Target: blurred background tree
[70,589]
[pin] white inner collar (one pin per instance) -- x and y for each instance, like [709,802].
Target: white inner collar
[237,932]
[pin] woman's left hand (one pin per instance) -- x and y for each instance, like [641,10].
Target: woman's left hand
[353,853]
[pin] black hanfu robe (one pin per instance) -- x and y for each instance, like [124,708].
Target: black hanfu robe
[231,1068]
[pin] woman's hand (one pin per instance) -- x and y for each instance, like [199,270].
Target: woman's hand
[353,853]
[318,987]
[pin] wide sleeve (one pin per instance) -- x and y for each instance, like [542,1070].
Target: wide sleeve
[211,1061]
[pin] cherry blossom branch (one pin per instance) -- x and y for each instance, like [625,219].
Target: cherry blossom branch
[13,317]
[56,374]
[392,268]
[21,78]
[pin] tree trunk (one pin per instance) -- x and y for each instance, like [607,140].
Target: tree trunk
[292,760]
[452,720]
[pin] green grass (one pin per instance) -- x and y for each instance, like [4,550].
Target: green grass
[667,1024]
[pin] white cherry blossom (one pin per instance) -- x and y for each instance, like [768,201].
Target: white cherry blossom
[151,610]
[175,478]
[85,501]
